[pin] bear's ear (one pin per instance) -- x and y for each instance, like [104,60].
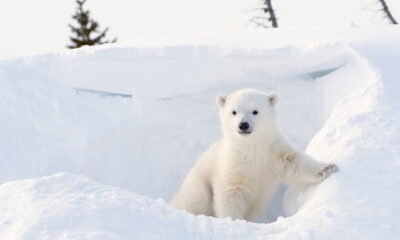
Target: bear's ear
[272,99]
[221,100]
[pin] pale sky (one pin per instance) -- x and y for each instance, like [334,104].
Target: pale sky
[40,26]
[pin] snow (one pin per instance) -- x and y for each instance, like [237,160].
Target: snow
[84,165]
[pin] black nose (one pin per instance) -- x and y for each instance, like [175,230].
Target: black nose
[244,126]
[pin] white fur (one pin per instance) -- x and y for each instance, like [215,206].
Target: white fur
[237,176]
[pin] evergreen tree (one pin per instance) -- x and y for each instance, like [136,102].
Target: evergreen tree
[86,28]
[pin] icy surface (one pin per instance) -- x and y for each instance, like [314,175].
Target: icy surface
[338,101]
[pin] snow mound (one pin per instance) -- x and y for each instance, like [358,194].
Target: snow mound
[65,206]
[337,101]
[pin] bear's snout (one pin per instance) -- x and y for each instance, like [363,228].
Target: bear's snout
[244,128]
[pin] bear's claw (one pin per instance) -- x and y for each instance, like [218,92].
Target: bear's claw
[327,170]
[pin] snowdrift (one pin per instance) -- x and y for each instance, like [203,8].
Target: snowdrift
[337,101]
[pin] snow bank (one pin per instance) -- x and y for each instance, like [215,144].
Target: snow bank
[65,206]
[336,100]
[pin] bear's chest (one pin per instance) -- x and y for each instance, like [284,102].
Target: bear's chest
[249,166]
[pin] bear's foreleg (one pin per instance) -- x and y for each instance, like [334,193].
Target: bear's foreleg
[301,168]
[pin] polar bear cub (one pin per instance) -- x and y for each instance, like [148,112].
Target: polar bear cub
[237,176]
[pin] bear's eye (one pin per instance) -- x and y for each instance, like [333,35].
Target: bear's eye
[255,112]
[234,112]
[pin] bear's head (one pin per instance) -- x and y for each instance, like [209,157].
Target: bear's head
[247,114]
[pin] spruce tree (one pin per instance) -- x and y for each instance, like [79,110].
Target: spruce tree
[87,27]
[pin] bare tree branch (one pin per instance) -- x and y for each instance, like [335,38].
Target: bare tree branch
[386,10]
[269,9]
[258,21]
[268,15]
